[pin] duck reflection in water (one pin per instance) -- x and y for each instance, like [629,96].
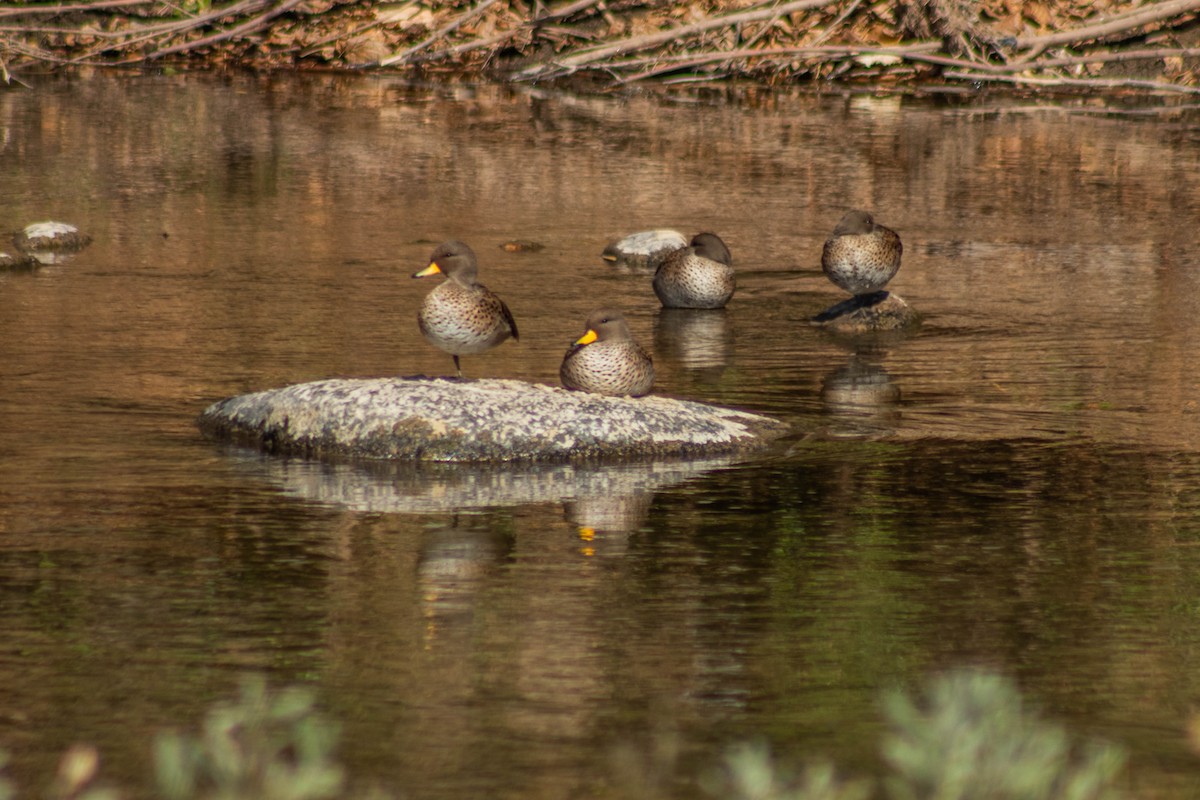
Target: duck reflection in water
[693,341]
[604,523]
[862,398]
[454,565]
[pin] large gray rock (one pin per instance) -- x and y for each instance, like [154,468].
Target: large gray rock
[425,419]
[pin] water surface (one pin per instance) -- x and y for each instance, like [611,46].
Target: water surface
[1015,485]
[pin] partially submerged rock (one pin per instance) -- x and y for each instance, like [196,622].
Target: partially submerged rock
[51,236]
[17,261]
[423,419]
[645,249]
[881,311]
[50,242]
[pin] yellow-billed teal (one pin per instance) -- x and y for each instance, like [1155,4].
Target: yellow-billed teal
[606,359]
[697,276]
[461,316]
[861,256]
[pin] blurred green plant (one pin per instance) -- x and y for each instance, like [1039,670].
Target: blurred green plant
[972,736]
[7,790]
[265,746]
[76,778]
[968,736]
[752,774]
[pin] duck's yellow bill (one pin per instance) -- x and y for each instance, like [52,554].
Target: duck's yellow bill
[587,338]
[432,269]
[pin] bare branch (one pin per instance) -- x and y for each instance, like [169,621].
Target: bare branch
[231,33]
[644,42]
[438,35]
[1089,83]
[23,11]
[1143,16]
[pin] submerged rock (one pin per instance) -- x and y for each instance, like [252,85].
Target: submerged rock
[881,311]
[645,249]
[422,419]
[521,246]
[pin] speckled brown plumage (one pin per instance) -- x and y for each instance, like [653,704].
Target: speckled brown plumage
[861,256]
[462,316]
[697,276]
[606,359]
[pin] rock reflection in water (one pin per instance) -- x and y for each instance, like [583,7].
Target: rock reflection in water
[604,503]
[597,492]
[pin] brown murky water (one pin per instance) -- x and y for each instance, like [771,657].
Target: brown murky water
[1017,484]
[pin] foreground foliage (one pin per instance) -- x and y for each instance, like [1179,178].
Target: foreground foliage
[969,736]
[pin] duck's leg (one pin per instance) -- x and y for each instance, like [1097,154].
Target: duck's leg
[457,368]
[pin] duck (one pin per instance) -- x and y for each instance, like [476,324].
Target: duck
[697,276]
[606,359]
[861,256]
[462,316]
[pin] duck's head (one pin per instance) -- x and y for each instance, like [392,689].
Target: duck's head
[710,246]
[455,260]
[854,222]
[605,324]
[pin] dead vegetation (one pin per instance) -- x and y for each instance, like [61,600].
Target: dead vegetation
[1073,44]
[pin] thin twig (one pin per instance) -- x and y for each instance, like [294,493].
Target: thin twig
[824,35]
[230,33]
[1125,22]
[571,63]
[1091,83]
[465,47]
[314,47]
[144,33]
[1099,58]
[569,10]
[22,11]
[917,52]
[438,35]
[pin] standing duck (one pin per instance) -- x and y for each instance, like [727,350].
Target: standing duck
[697,276]
[861,256]
[461,316]
[606,359]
